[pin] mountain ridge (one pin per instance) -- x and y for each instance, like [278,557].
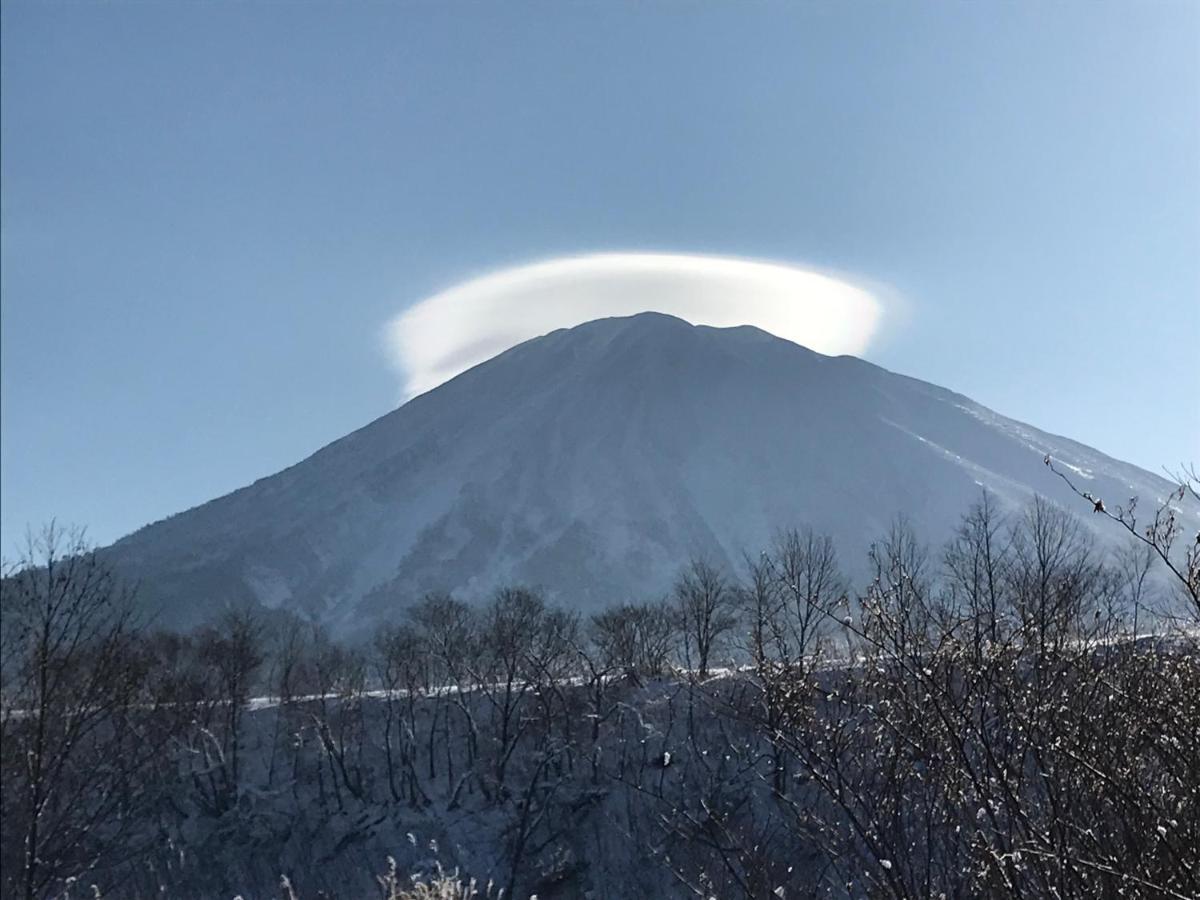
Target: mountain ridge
[592,461]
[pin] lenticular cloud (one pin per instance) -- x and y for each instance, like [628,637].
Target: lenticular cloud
[447,333]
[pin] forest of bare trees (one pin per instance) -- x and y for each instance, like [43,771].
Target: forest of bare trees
[1015,714]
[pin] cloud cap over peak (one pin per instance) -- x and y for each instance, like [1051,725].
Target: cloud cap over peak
[447,333]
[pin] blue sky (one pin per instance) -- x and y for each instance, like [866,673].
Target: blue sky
[210,212]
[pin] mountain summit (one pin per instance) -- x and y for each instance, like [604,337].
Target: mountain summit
[593,462]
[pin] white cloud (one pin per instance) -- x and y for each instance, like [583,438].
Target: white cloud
[447,333]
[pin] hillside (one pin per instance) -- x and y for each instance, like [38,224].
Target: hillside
[592,462]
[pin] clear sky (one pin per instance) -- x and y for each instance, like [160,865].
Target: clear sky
[211,212]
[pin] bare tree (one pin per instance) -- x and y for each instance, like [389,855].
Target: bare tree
[448,628]
[512,625]
[401,670]
[1053,571]
[232,650]
[635,638]
[1161,532]
[1017,756]
[338,713]
[73,714]
[705,604]
[976,562]
[285,680]
[810,585]
[761,610]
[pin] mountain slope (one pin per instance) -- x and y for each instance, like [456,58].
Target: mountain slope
[593,461]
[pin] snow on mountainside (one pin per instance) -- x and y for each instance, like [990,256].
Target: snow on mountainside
[593,461]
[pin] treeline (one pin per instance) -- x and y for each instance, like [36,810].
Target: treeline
[991,719]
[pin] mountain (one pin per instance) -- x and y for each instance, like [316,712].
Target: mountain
[593,462]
